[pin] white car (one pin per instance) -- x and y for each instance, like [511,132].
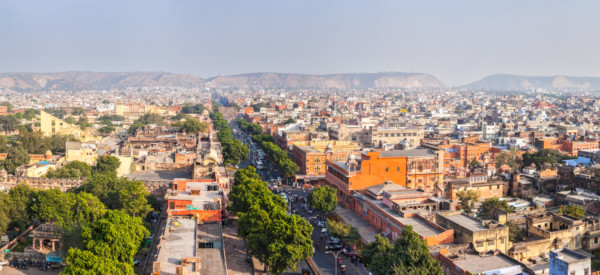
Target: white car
[321,224]
[324,230]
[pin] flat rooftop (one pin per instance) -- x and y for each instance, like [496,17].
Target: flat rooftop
[420,226]
[467,222]
[180,244]
[568,256]
[407,153]
[481,264]
[213,259]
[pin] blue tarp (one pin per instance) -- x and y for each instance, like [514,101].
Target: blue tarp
[577,161]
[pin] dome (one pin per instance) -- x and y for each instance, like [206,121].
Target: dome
[329,146]
[351,157]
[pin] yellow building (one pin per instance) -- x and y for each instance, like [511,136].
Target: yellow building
[50,125]
[135,110]
[82,151]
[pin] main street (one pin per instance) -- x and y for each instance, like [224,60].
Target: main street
[325,262]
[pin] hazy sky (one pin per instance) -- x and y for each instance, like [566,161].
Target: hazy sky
[457,41]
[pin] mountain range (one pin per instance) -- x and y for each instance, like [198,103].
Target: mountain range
[76,81]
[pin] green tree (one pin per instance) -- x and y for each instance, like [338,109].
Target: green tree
[468,198]
[192,109]
[30,114]
[78,111]
[15,157]
[136,125]
[107,164]
[345,232]
[575,211]
[289,121]
[22,196]
[251,192]
[323,198]
[9,106]
[58,142]
[474,163]
[34,142]
[151,118]
[410,255]
[106,130]
[236,152]
[6,208]
[116,236]
[508,158]
[85,262]
[381,245]
[514,233]
[9,123]
[192,125]
[487,207]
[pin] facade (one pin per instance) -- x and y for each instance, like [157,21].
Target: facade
[82,151]
[50,125]
[311,158]
[486,187]
[417,168]
[484,235]
[569,262]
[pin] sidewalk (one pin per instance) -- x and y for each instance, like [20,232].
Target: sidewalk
[366,230]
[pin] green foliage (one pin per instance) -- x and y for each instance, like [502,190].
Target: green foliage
[15,157]
[410,255]
[136,125]
[107,164]
[22,197]
[487,207]
[346,232]
[111,118]
[9,123]
[57,112]
[106,129]
[146,119]
[192,125]
[116,236]
[30,114]
[193,109]
[78,111]
[81,262]
[468,198]
[474,163]
[6,208]
[65,209]
[250,128]
[74,170]
[575,211]
[544,156]
[58,142]
[381,245]
[514,233]
[277,239]
[9,106]
[323,198]
[289,121]
[233,151]
[508,158]
[34,142]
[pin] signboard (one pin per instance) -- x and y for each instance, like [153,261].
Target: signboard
[403,110]
[190,207]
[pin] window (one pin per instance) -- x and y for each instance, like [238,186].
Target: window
[387,169]
[492,242]
[479,244]
[397,168]
[171,205]
[596,240]
[502,241]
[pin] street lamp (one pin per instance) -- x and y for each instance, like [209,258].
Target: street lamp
[334,260]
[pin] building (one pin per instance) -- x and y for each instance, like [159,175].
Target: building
[81,151]
[479,263]
[385,207]
[568,262]
[51,125]
[416,168]
[484,235]
[311,156]
[486,187]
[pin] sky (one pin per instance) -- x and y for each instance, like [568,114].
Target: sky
[457,41]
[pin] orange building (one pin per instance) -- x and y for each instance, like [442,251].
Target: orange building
[566,146]
[458,155]
[249,110]
[417,168]
[200,198]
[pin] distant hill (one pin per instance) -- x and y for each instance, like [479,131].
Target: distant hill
[338,81]
[92,80]
[519,82]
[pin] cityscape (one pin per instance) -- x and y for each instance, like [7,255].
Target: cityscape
[191,138]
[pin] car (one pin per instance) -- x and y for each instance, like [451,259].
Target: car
[334,247]
[324,230]
[136,262]
[333,243]
[321,224]
[334,239]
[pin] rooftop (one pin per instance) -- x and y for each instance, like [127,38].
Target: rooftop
[419,225]
[568,256]
[476,264]
[467,222]
[407,153]
[179,245]
[213,259]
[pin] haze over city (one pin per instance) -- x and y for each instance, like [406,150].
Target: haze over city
[458,41]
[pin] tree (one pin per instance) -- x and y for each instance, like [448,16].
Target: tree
[34,142]
[236,152]
[381,245]
[15,157]
[289,121]
[22,196]
[544,156]
[57,112]
[575,211]
[30,114]
[508,158]
[345,232]
[192,125]
[251,192]
[136,125]
[410,255]
[78,111]
[85,262]
[6,208]
[192,109]
[474,163]
[106,129]
[151,118]
[487,207]
[8,105]
[116,236]
[58,142]
[514,233]
[323,198]
[107,164]
[467,199]
[9,123]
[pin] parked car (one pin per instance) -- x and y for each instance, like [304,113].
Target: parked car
[324,230]
[334,239]
[334,247]
[321,224]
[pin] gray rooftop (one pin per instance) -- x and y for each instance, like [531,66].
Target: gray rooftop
[180,244]
[419,225]
[407,153]
[568,256]
[476,264]
[213,259]
[467,222]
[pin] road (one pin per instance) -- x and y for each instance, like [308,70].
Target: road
[325,261]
